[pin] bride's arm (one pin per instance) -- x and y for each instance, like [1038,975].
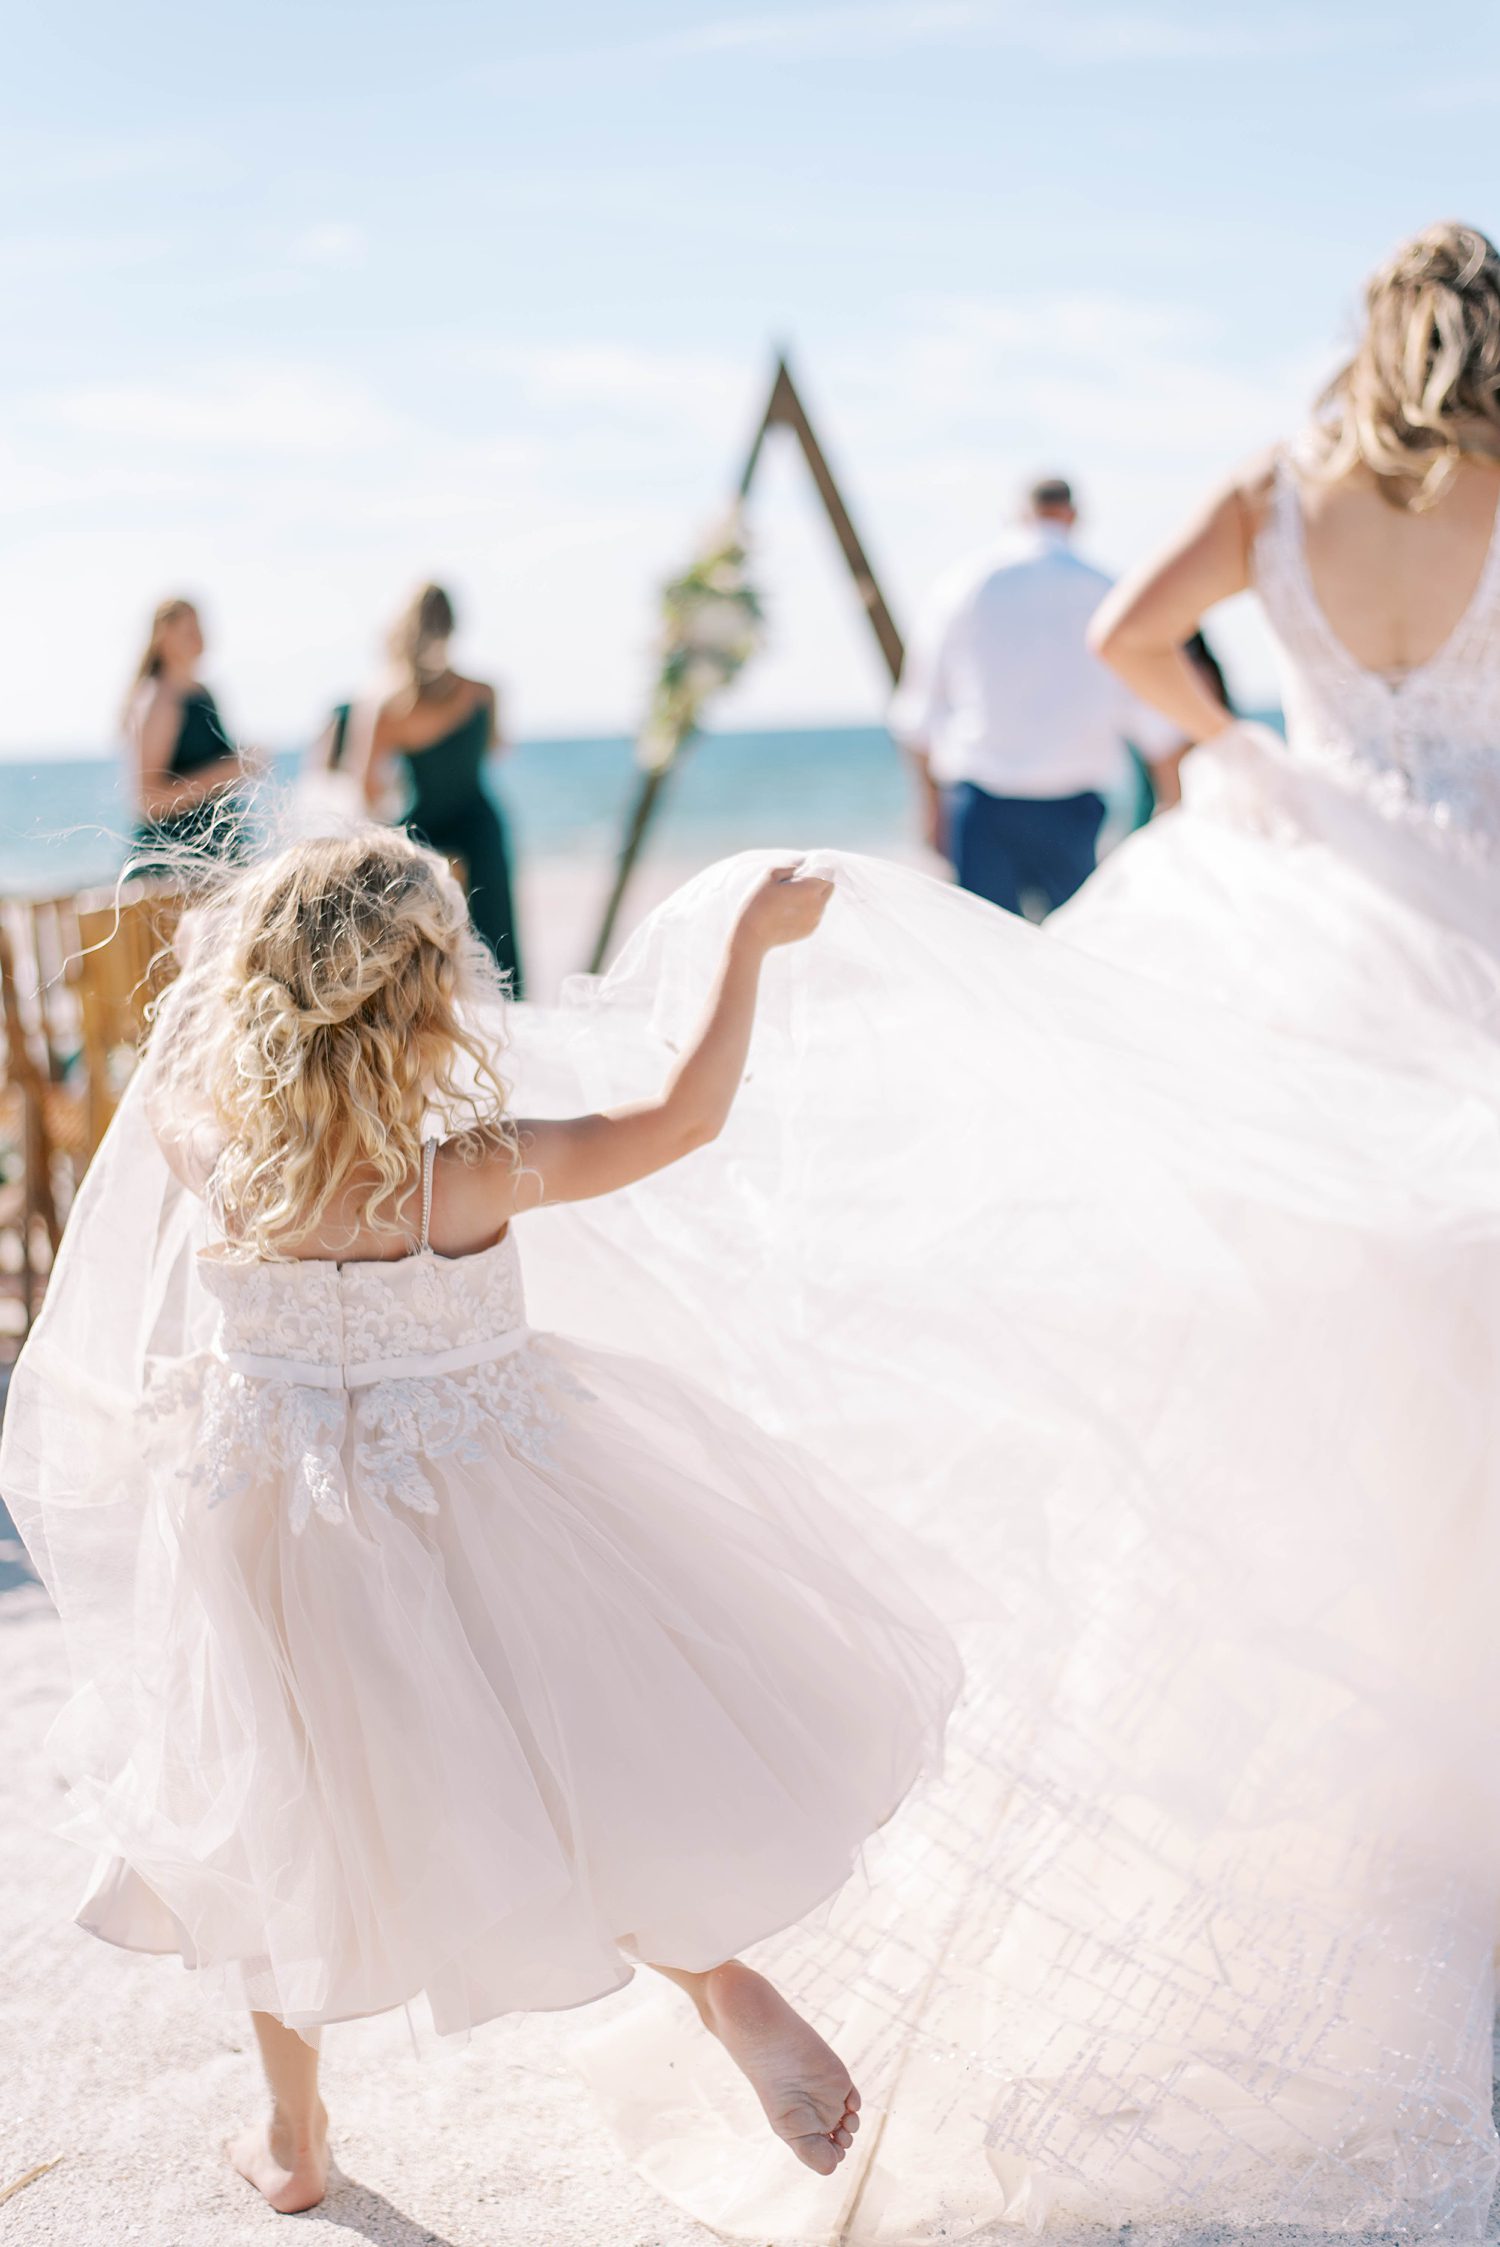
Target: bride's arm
[590,1155]
[1144,622]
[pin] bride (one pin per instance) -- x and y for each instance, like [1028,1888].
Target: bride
[1372,545]
[1150,1265]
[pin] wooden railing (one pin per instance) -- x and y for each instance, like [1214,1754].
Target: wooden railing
[76,976]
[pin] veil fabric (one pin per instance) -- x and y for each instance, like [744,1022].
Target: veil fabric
[1174,1337]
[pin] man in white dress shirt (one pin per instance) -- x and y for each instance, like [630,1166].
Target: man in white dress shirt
[1017,731]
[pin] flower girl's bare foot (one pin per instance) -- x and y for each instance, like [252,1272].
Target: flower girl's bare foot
[288,2166]
[804,2086]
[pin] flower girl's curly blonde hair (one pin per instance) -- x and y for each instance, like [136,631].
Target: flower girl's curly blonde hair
[328,1002]
[1423,387]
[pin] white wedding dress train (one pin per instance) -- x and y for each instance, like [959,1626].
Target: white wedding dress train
[1149,1265]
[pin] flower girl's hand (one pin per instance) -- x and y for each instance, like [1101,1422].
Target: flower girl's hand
[785,906]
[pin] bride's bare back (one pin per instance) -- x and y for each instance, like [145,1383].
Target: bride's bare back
[1397,504]
[1394,583]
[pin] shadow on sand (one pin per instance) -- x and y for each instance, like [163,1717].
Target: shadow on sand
[369,2215]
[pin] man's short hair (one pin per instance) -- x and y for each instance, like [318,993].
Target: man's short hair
[1051,491]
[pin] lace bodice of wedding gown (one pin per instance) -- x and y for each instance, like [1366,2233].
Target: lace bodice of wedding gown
[1422,749]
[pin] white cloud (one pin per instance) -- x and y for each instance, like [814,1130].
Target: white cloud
[1008,385]
[1143,404]
[46,256]
[332,243]
[301,503]
[654,389]
[838,30]
[1454,92]
[266,409]
[55,157]
[1159,35]
[1063,31]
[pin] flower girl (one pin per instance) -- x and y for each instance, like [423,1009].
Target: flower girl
[417,1653]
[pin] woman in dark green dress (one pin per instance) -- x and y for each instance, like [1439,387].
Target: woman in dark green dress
[439,728]
[186,767]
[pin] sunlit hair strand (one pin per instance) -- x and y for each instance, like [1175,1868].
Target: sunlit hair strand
[328,1003]
[1422,391]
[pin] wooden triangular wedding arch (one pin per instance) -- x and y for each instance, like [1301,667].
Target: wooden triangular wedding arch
[784,410]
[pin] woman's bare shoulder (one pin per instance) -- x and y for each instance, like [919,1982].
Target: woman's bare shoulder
[1255,478]
[470,695]
[403,722]
[475,1192]
[1247,490]
[152,697]
[392,706]
[151,714]
[1231,511]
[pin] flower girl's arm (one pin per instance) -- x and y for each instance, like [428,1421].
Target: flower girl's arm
[589,1155]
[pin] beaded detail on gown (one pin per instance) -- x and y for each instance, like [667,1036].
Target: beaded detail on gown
[1341,881]
[1422,748]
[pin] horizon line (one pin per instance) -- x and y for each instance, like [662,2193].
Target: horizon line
[61,753]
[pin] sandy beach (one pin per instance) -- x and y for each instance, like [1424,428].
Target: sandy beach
[125,2079]
[562,902]
[124,2082]
[120,2073]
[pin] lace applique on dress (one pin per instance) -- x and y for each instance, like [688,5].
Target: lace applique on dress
[1422,749]
[246,1427]
[400,1422]
[374,1372]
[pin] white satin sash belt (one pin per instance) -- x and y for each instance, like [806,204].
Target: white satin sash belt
[307,1373]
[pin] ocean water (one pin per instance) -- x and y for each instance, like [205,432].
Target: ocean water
[64,822]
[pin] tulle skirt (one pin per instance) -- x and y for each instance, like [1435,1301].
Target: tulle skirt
[640,1691]
[1164,1299]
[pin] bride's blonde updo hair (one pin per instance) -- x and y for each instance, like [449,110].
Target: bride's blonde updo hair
[328,1002]
[1423,387]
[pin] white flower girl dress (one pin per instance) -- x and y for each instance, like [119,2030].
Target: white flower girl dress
[421,1654]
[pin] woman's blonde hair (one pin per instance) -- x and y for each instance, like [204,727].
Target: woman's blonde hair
[165,612]
[1423,387]
[328,1002]
[418,640]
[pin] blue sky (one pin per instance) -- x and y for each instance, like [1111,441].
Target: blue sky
[309,301]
